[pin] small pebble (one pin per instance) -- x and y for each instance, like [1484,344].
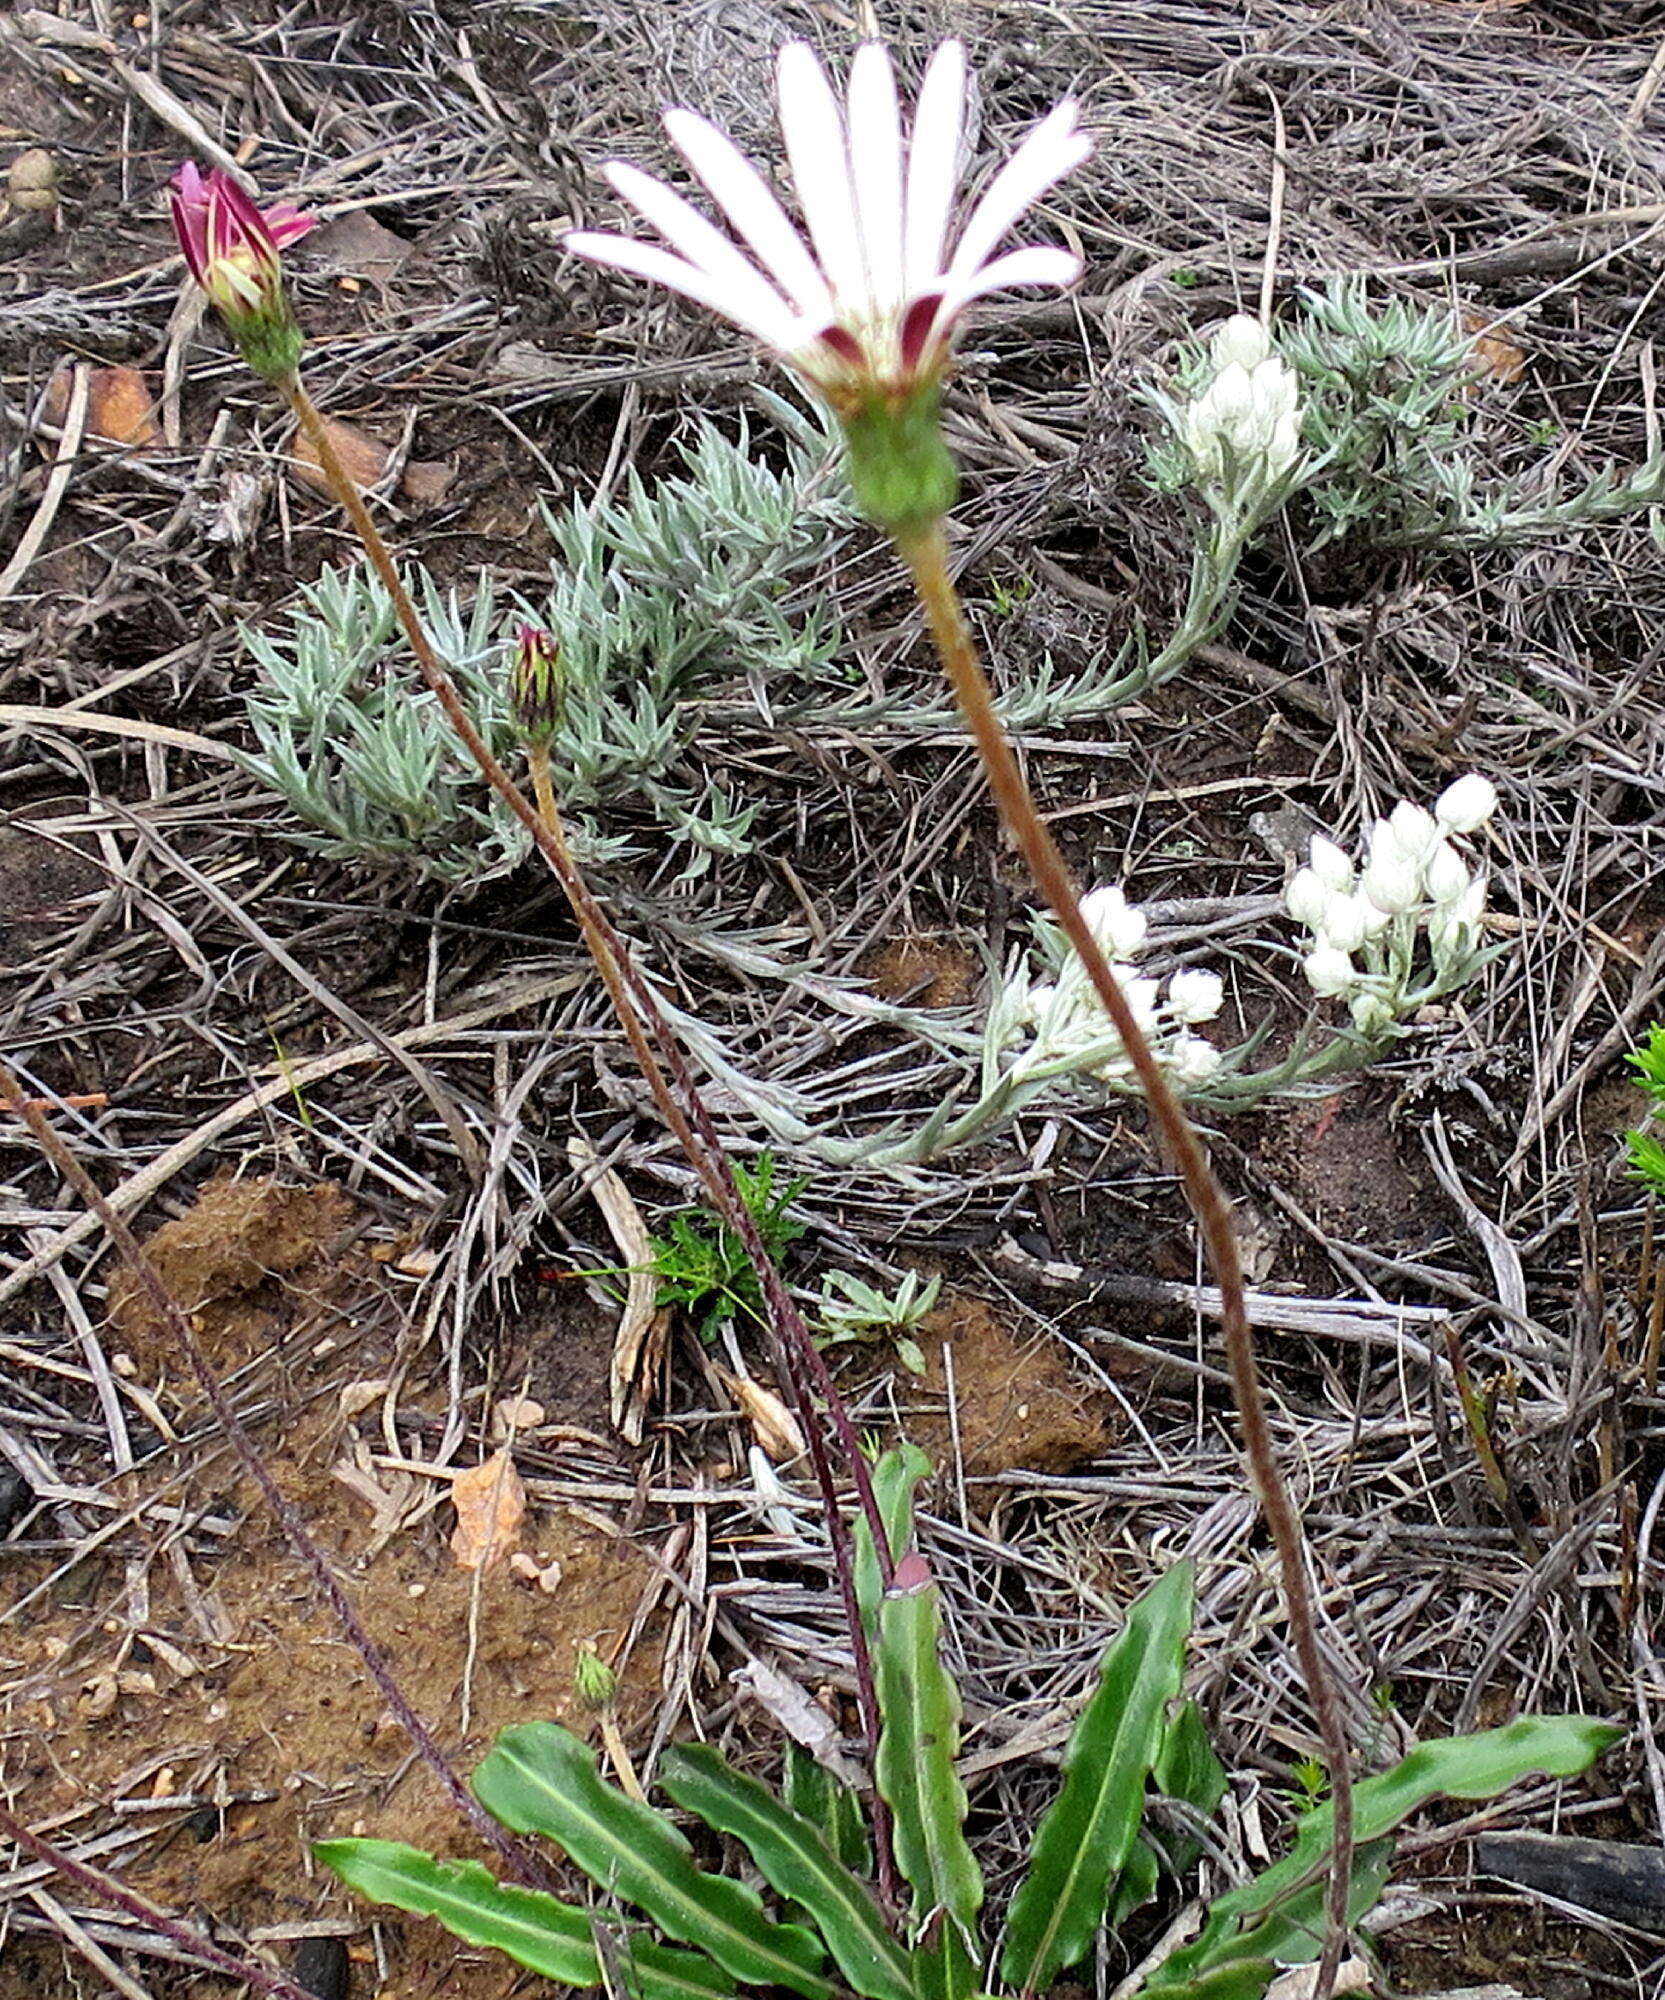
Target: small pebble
[322,1967]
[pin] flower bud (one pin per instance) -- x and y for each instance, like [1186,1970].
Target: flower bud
[1445,874]
[231,248]
[1307,898]
[1330,973]
[1342,924]
[1370,1012]
[1392,880]
[1196,995]
[1465,806]
[1190,1060]
[1454,928]
[537,685]
[1331,865]
[593,1681]
[1119,926]
[1241,339]
[1415,831]
[1141,995]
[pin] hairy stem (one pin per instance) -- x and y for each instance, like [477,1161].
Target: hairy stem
[190,1943]
[926,554]
[518,1858]
[799,1362]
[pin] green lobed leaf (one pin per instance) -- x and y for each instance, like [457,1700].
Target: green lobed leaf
[943,1968]
[1089,1831]
[536,1930]
[919,1736]
[895,1476]
[1290,1933]
[1455,1767]
[538,1778]
[1186,1769]
[796,1861]
[811,1789]
[1279,1915]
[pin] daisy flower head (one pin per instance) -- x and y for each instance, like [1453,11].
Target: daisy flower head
[233,249]
[864,301]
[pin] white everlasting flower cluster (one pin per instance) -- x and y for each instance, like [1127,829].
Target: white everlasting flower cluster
[1365,919]
[1071,1031]
[1244,431]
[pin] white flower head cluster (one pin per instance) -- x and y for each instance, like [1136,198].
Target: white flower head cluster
[1365,919]
[1243,431]
[1071,1031]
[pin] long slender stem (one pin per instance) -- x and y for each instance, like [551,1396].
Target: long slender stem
[188,1942]
[926,554]
[799,1361]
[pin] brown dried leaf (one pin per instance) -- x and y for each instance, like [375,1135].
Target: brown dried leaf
[491,1504]
[426,481]
[1497,353]
[639,1344]
[358,243]
[773,1424]
[364,457]
[120,406]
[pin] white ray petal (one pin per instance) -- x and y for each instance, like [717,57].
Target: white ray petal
[933,162]
[1049,152]
[875,138]
[814,133]
[702,244]
[1034,264]
[750,205]
[776,326]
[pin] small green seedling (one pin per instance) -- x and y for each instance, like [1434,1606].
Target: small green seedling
[700,1262]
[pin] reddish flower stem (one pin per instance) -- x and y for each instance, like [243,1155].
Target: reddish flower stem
[190,1943]
[926,554]
[800,1364]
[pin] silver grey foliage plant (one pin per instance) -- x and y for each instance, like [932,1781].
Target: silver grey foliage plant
[660,597]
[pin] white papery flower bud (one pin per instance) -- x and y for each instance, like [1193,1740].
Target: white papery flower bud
[1374,918]
[1191,1060]
[1241,339]
[1331,864]
[1446,876]
[1042,998]
[1142,995]
[1118,925]
[1246,422]
[1455,927]
[1330,973]
[1370,1012]
[1415,830]
[1342,924]
[1196,995]
[1392,880]
[1307,898]
[1466,805]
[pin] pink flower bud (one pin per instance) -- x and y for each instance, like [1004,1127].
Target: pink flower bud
[232,248]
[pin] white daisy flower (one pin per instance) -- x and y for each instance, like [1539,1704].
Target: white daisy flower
[871,300]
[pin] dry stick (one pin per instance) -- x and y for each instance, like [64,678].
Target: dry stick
[926,554]
[634,1000]
[521,1860]
[191,1944]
